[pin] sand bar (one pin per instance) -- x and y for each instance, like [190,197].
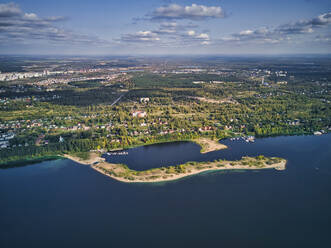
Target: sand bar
[122,173]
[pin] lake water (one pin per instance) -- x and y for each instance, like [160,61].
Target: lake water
[63,204]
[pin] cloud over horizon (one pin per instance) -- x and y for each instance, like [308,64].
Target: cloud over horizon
[168,33]
[282,32]
[194,12]
[9,10]
[17,26]
[169,26]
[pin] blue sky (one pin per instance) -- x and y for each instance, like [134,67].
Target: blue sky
[106,27]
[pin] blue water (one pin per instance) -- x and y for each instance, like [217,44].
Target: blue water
[62,204]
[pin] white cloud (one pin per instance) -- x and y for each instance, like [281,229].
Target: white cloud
[9,10]
[205,43]
[282,32]
[17,26]
[203,36]
[305,26]
[193,12]
[140,36]
[191,32]
[166,35]
[246,32]
[30,16]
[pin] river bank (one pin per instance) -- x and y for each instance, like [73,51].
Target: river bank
[207,145]
[27,161]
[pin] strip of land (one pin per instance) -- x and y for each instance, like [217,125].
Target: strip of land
[93,157]
[209,145]
[122,173]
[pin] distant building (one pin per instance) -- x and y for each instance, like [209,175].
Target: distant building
[139,114]
[144,99]
[294,123]
[206,128]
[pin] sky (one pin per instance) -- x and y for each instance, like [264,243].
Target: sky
[165,27]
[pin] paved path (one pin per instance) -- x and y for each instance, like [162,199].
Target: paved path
[117,99]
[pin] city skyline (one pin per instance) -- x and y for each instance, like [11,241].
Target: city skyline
[165,27]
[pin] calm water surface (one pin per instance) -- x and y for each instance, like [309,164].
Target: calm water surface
[62,204]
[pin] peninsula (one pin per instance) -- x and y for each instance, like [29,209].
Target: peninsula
[122,173]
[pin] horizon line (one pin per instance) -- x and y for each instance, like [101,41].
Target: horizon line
[172,55]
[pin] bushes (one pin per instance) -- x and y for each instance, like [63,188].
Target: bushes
[260,157]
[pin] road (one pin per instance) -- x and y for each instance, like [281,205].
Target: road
[117,99]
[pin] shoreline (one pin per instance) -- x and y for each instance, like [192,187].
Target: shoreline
[36,159]
[122,173]
[28,161]
[207,144]
[172,177]
[94,158]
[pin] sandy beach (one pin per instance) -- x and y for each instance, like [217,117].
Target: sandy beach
[170,177]
[209,145]
[94,157]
